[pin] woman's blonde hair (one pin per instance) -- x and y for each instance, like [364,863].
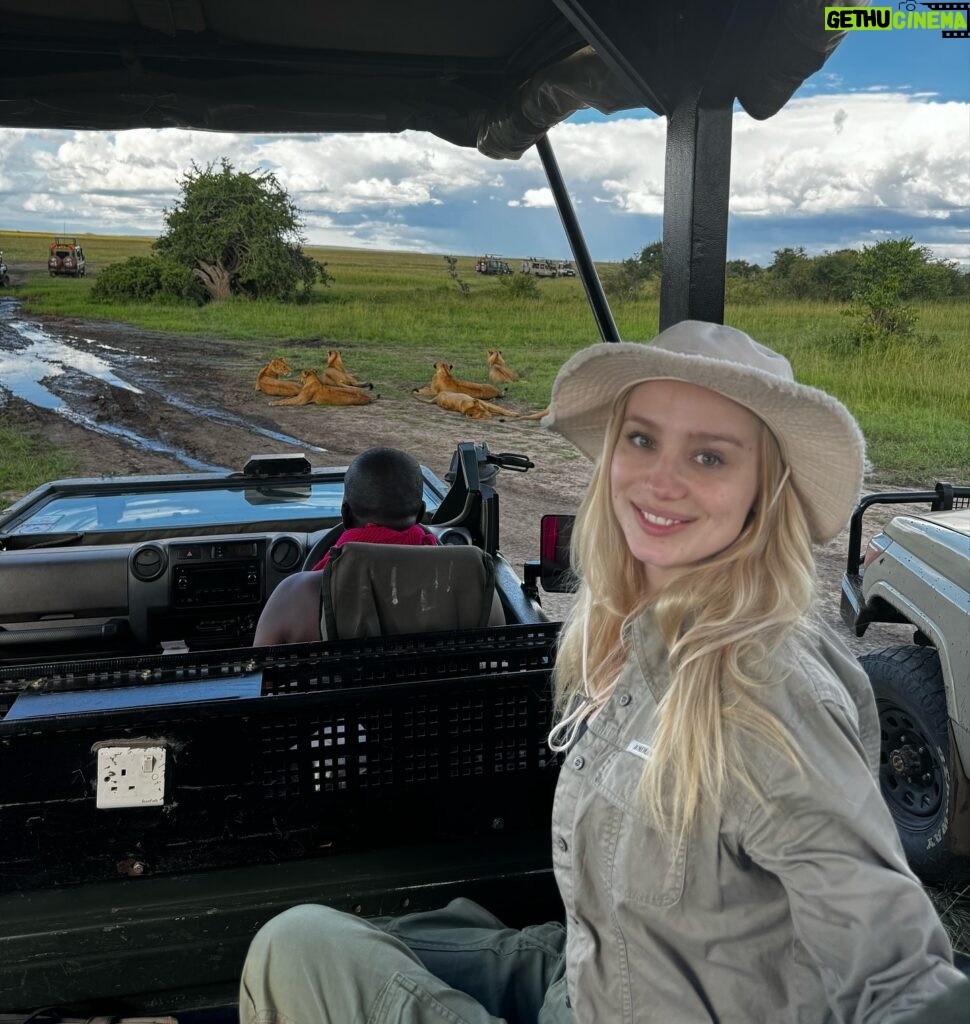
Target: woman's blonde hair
[721,620]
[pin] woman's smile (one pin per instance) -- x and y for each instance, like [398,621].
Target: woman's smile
[654,522]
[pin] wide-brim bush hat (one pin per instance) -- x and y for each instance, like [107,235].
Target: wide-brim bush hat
[819,439]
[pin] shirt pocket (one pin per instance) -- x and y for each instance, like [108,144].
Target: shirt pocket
[643,867]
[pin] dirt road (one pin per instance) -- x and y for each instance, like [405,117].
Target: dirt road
[129,401]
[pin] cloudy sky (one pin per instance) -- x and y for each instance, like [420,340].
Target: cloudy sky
[876,145]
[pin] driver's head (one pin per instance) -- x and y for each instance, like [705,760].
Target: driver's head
[383,486]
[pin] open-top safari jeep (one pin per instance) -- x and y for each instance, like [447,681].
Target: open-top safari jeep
[158,807]
[916,571]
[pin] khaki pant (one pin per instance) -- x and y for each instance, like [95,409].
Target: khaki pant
[458,965]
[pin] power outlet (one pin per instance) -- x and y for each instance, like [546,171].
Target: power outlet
[131,776]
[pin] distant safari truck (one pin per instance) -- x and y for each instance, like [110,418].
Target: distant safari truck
[490,264]
[66,258]
[539,268]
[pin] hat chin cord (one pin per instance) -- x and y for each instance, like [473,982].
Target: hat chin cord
[777,494]
[563,734]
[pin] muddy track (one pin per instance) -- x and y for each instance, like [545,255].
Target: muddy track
[191,402]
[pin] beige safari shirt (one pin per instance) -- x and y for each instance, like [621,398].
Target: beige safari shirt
[801,909]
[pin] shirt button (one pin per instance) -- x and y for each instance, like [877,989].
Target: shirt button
[578,762]
[625,699]
[562,844]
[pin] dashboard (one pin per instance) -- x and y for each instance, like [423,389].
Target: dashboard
[165,594]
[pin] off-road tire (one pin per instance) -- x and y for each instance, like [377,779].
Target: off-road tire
[916,757]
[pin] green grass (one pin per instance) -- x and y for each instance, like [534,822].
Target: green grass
[395,314]
[26,462]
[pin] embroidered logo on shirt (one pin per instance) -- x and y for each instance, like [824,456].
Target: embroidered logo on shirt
[639,748]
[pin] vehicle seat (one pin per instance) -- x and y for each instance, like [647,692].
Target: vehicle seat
[387,589]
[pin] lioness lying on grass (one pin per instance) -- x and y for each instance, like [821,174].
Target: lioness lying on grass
[443,381]
[473,408]
[267,380]
[498,369]
[336,373]
[316,392]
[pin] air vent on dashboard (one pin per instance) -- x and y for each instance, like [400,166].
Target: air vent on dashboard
[285,553]
[148,563]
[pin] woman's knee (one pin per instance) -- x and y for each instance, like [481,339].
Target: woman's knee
[307,930]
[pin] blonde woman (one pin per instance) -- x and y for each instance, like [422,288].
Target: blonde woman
[718,837]
[720,841]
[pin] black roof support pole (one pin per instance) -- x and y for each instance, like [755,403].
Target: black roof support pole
[584,263]
[696,191]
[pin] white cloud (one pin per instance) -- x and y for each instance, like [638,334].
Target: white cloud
[827,171]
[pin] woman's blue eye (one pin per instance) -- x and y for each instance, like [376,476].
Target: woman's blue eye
[709,459]
[641,440]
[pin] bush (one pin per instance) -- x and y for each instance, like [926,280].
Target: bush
[520,286]
[147,278]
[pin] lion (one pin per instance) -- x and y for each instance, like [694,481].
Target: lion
[498,370]
[267,380]
[473,408]
[536,415]
[443,381]
[316,392]
[336,373]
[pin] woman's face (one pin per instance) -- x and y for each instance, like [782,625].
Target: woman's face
[684,475]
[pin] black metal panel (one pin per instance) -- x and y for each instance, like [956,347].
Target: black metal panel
[696,188]
[174,943]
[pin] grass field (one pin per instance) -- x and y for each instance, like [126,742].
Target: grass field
[395,314]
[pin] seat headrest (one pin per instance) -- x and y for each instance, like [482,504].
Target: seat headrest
[389,589]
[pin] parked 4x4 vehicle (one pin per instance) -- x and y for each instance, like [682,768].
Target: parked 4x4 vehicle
[539,268]
[916,570]
[491,265]
[66,258]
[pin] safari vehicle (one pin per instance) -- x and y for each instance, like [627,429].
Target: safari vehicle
[539,268]
[66,258]
[158,807]
[492,265]
[916,571]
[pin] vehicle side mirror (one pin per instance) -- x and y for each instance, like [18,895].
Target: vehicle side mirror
[555,573]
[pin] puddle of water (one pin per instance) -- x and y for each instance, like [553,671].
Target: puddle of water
[42,357]
[45,357]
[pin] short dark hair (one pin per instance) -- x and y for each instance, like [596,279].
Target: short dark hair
[384,486]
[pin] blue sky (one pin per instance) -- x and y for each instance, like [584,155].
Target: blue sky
[875,145]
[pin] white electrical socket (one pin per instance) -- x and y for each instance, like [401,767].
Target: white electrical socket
[131,776]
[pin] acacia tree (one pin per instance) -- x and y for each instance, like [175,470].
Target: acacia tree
[240,234]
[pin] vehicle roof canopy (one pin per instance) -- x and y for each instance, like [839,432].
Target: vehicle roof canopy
[493,75]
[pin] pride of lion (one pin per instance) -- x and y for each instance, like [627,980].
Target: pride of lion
[336,385]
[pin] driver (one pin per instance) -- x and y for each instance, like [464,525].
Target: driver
[382,504]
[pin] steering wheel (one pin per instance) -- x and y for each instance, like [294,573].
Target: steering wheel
[322,546]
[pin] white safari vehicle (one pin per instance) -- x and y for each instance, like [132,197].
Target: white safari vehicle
[917,571]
